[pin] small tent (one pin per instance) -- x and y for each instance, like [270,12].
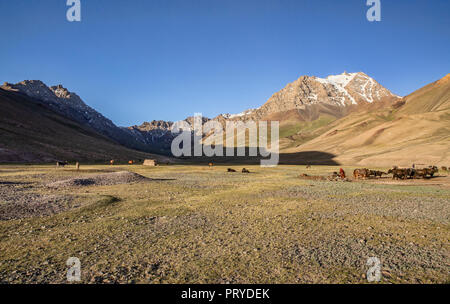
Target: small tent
[150,162]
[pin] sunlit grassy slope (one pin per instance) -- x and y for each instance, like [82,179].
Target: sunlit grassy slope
[416,130]
[193,224]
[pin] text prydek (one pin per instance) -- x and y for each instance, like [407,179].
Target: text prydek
[230,293]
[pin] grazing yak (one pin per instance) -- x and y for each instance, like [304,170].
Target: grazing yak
[425,172]
[432,170]
[366,173]
[420,173]
[61,164]
[361,173]
[401,173]
[231,170]
[245,171]
[444,168]
[376,173]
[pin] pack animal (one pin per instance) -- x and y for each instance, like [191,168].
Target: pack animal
[425,172]
[400,173]
[361,173]
[419,173]
[432,170]
[376,173]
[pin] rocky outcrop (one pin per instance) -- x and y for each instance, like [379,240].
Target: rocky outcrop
[157,133]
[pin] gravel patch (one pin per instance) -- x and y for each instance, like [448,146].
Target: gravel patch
[114,178]
[16,203]
[359,199]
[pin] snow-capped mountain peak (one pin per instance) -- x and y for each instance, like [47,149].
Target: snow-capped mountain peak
[340,80]
[341,90]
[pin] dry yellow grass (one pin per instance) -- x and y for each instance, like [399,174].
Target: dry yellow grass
[194,224]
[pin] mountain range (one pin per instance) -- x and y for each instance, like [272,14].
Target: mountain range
[349,116]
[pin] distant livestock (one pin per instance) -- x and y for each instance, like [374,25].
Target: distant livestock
[61,164]
[425,172]
[231,170]
[444,168]
[420,173]
[150,163]
[376,173]
[400,173]
[361,173]
[245,171]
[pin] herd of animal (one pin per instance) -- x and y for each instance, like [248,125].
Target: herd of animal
[367,173]
[398,173]
[243,170]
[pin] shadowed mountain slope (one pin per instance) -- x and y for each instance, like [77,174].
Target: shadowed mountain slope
[32,132]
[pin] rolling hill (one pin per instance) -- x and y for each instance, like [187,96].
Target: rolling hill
[415,129]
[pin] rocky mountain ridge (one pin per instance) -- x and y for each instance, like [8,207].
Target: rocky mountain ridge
[344,90]
[70,105]
[305,99]
[309,96]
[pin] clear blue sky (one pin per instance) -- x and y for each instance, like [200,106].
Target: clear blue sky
[140,60]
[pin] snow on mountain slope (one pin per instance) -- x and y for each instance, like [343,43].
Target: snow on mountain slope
[335,90]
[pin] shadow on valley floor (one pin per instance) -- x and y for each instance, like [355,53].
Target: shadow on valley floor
[14,183]
[308,158]
[298,158]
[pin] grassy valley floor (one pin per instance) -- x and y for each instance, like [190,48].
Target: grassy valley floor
[193,224]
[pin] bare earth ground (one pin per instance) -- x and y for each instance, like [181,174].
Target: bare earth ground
[193,224]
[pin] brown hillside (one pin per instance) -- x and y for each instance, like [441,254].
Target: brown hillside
[415,130]
[431,98]
[30,132]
